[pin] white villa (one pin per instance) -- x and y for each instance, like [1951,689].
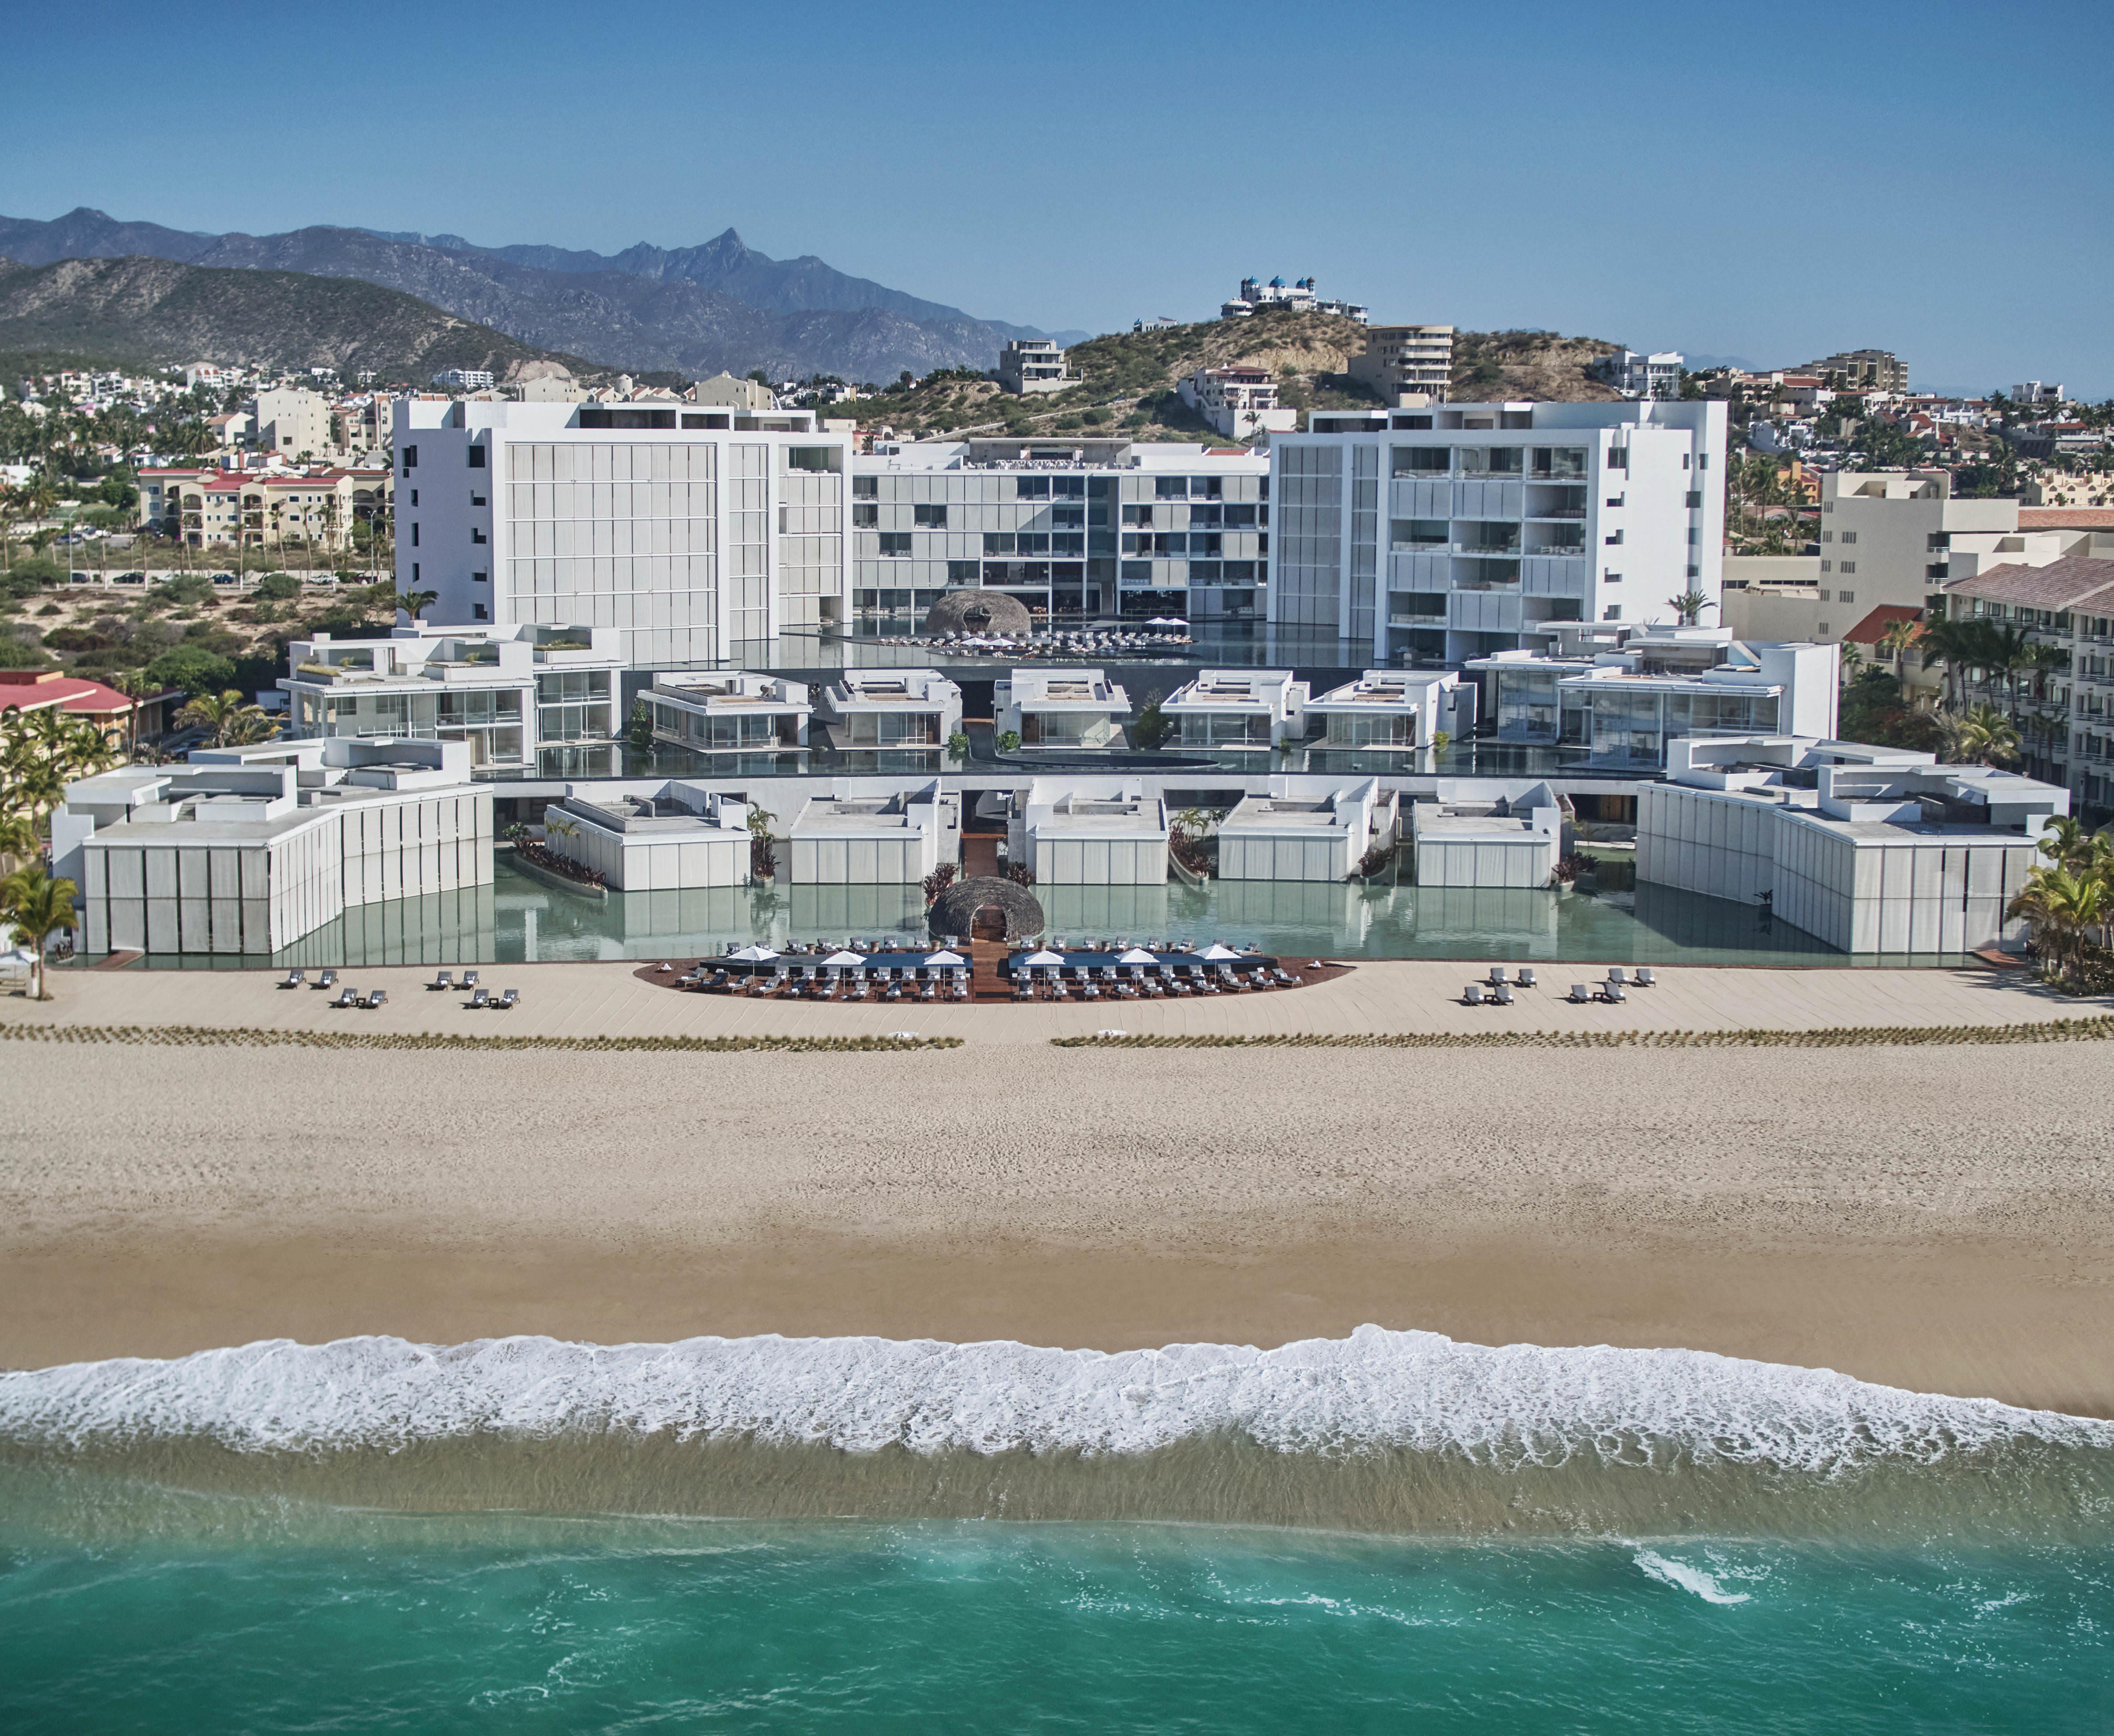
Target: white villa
[514,695]
[1482,832]
[1392,709]
[678,837]
[1237,708]
[1059,707]
[892,708]
[1292,834]
[1090,832]
[727,711]
[865,833]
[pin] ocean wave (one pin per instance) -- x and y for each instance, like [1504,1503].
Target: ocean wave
[1509,1407]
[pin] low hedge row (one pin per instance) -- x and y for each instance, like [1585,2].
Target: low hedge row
[1856,1036]
[200,1036]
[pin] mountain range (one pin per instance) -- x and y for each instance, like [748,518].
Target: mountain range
[694,310]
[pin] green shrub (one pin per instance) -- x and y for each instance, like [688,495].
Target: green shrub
[194,669]
[278,587]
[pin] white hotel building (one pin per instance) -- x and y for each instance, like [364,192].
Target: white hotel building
[1458,530]
[687,530]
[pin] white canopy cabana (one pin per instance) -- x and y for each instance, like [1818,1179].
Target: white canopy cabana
[752,955]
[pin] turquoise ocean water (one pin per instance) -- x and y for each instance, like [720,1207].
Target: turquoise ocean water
[1392,1532]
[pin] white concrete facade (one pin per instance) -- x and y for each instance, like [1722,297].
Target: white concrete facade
[244,850]
[1057,707]
[687,530]
[858,838]
[1475,834]
[1868,849]
[678,837]
[1090,832]
[1401,710]
[718,712]
[1453,531]
[1238,402]
[1291,834]
[1255,708]
[892,708]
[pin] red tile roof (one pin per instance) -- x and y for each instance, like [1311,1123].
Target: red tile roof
[1872,627]
[38,690]
[2066,518]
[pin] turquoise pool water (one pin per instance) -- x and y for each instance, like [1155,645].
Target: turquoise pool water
[517,919]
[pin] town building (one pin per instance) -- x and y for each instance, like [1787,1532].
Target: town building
[1868,849]
[1066,525]
[464,380]
[1029,365]
[1090,832]
[723,712]
[1616,697]
[1249,708]
[1860,370]
[1454,531]
[1406,364]
[244,850]
[689,531]
[1657,374]
[2038,392]
[144,719]
[1300,297]
[1058,707]
[1238,402]
[294,420]
[724,391]
[2065,706]
[520,698]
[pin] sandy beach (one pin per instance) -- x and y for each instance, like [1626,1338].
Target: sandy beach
[1936,1218]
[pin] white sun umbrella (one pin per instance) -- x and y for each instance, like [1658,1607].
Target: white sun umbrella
[1214,951]
[752,955]
[843,958]
[946,958]
[1046,956]
[1137,956]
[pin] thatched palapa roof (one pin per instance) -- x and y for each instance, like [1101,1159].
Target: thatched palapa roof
[977,611]
[954,911]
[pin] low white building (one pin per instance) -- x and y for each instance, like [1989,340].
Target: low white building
[892,708]
[1394,710]
[1059,707]
[242,850]
[864,834]
[1636,375]
[1246,708]
[1090,832]
[1479,831]
[1298,832]
[1030,365]
[515,696]
[1238,402]
[1868,849]
[674,838]
[718,711]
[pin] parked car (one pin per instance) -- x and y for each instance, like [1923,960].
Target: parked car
[129,579]
[81,578]
[223,578]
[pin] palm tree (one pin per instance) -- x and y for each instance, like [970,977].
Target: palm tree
[411,602]
[37,906]
[1895,643]
[1853,660]
[1981,735]
[2061,907]
[1689,606]
[233,721]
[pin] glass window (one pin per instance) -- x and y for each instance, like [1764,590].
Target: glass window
[1420,461]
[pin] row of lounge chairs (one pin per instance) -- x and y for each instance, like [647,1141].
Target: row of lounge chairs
[852,983]
[1145,982]
[1497,992]
[352,996]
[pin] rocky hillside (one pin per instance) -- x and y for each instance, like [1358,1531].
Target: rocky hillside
[689,310]
[1127,380]
[140,312]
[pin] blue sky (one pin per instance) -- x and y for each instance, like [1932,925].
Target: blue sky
[1767,182]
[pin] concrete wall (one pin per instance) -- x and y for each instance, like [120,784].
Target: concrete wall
[855,861]
[647,862]
[1703,842]
[1317,857]
[1098,861]
[1486,862]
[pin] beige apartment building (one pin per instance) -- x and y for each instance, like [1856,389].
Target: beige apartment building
[293,419]
[1402,360]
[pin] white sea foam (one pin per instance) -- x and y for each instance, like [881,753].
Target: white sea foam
[1686,1579]
[1520,1403]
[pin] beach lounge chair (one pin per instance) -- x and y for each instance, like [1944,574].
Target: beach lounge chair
[350,998]
[469,979]
[1473,994]
[1496,974]
[1581,993]
[1616,992]
[1525,975]
[507,1001]
[481,999]
[327,980]
[1501,993]
[445,980]
[293,980]
[1643,977]
[1615,976]
[376,998]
